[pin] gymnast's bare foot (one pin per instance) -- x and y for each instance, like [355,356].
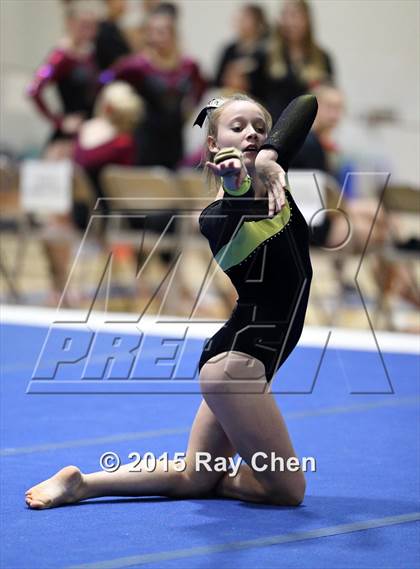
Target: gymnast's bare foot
[65,487]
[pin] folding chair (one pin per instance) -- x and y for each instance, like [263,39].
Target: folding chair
[150,196]
[402,203]
[12,222]
[315,191]
[25,211]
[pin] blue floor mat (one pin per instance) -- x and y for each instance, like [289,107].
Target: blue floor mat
[366,447]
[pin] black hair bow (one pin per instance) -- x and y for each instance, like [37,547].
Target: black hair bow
[203,114]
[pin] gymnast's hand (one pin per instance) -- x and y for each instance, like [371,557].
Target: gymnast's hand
[231,169]
[273,178]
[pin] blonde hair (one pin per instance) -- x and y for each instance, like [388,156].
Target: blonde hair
[314,67]
[213,117]
[121,105]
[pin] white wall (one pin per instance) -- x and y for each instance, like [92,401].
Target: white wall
[375,44]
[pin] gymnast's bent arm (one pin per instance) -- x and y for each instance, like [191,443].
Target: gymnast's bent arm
[283,142]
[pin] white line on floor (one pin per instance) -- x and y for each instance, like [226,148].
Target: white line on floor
[312,336]
[392,402]
[340,529]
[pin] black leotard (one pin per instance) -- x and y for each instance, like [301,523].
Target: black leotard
[266,258]
[75,78]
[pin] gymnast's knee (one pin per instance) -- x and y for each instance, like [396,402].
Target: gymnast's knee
[291,495]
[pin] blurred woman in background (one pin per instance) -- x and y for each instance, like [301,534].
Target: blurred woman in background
[369,224]
[320,152]
[103,140]
[71,69]
[295,62]
[169,83]
[110,43]
[107,138]
[241,64]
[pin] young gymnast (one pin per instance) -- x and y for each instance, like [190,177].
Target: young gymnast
[260,239]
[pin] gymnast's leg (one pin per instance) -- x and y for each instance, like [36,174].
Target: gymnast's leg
[244,415]
[253,423]
[70,485]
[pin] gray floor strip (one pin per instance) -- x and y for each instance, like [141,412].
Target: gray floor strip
[390,402]
[341,529]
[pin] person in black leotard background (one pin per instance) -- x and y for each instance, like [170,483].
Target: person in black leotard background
[238,413]
[110,43]
[170,84]
[71,69]
[241,64]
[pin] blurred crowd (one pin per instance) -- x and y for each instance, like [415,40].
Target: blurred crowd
[127,96]
[273,65]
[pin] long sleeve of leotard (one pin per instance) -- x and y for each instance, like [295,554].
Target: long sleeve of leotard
[130,69]
[51,71]
[292,128]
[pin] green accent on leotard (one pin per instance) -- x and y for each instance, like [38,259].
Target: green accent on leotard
[250,236]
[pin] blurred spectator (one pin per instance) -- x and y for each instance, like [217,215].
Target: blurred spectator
[107,138]
[320,152]
[137,26]
[71,68]
[170,84]
[317,154]
[295,62]
[320,148]
[110,44]
[241,64]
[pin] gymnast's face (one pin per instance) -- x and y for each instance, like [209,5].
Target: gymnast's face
[241,124]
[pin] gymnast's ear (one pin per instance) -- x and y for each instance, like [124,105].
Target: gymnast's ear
[212,145]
